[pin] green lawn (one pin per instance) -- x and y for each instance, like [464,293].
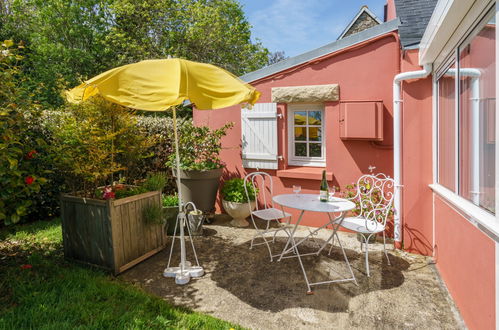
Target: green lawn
[40,290]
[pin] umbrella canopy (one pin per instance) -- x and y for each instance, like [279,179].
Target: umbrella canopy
[157,85]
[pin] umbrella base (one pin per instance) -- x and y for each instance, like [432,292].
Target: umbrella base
[183,276]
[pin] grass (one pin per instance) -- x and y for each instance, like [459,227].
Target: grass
[41,290]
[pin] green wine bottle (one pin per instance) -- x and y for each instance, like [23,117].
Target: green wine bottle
[324,192]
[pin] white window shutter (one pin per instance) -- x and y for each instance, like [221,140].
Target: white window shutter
[259,136]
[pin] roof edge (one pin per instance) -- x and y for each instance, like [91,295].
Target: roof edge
[332,47]
[363,9]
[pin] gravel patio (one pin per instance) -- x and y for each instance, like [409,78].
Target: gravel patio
[243,286]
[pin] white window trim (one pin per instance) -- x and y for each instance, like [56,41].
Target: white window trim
[474,213]
[305,161]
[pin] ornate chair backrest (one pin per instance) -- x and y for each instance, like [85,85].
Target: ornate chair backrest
[375,197]
[262,184]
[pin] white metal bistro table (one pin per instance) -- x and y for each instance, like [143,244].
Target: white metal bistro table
[311,202]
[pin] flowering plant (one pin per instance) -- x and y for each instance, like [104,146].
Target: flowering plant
[20,173]
[199,147]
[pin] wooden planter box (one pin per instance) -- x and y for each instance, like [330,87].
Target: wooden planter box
[110,234]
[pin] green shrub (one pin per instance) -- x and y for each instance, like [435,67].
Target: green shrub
[233,191]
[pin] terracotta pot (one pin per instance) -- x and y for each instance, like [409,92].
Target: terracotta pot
[239,212]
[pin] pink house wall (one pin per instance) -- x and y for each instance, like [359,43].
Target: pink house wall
[416,159]
[363,73]
[465,259]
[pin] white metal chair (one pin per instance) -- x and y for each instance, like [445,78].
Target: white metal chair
[265,210]
[374,198]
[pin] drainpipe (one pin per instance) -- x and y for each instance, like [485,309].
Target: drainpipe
[397,145]
[474,74]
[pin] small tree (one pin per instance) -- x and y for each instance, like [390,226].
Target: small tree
[97,140]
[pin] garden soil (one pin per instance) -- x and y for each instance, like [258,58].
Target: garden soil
[244,287]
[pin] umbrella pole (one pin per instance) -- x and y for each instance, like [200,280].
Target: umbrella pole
[177,158]
[180,203]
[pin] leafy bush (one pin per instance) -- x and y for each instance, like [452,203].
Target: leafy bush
[233,191]
[20,151]
[199,147]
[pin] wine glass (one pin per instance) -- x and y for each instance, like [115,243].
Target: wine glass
[332,192]
[296,189]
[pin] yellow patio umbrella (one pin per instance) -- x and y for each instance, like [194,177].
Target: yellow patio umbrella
[158,85]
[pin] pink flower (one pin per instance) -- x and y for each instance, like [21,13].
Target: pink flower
[108,193]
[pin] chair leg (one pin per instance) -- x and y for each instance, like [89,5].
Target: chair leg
[273,239]
[367,254]
[270,251]
[251,245]
[384,249]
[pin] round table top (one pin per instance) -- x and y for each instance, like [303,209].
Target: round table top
[311,202]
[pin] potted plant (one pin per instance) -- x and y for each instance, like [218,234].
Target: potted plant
[104,223]
[200,164]
[235,202]
[170,212]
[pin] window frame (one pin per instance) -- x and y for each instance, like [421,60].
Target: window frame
[305,161]
[480,216]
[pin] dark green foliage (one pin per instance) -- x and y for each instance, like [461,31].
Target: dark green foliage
[233,191]
[70,41]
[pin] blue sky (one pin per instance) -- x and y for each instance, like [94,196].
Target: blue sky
[297,26]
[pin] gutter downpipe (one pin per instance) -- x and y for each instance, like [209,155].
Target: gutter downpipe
[397,146]
[474,75]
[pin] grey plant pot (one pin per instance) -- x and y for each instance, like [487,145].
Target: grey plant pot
[200,187]
[170,214]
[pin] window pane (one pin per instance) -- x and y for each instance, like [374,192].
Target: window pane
[314,134]
[477,118]
[300,134]
[314,118]
[446,129]
[301,149]
[315,149]
[300,117]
